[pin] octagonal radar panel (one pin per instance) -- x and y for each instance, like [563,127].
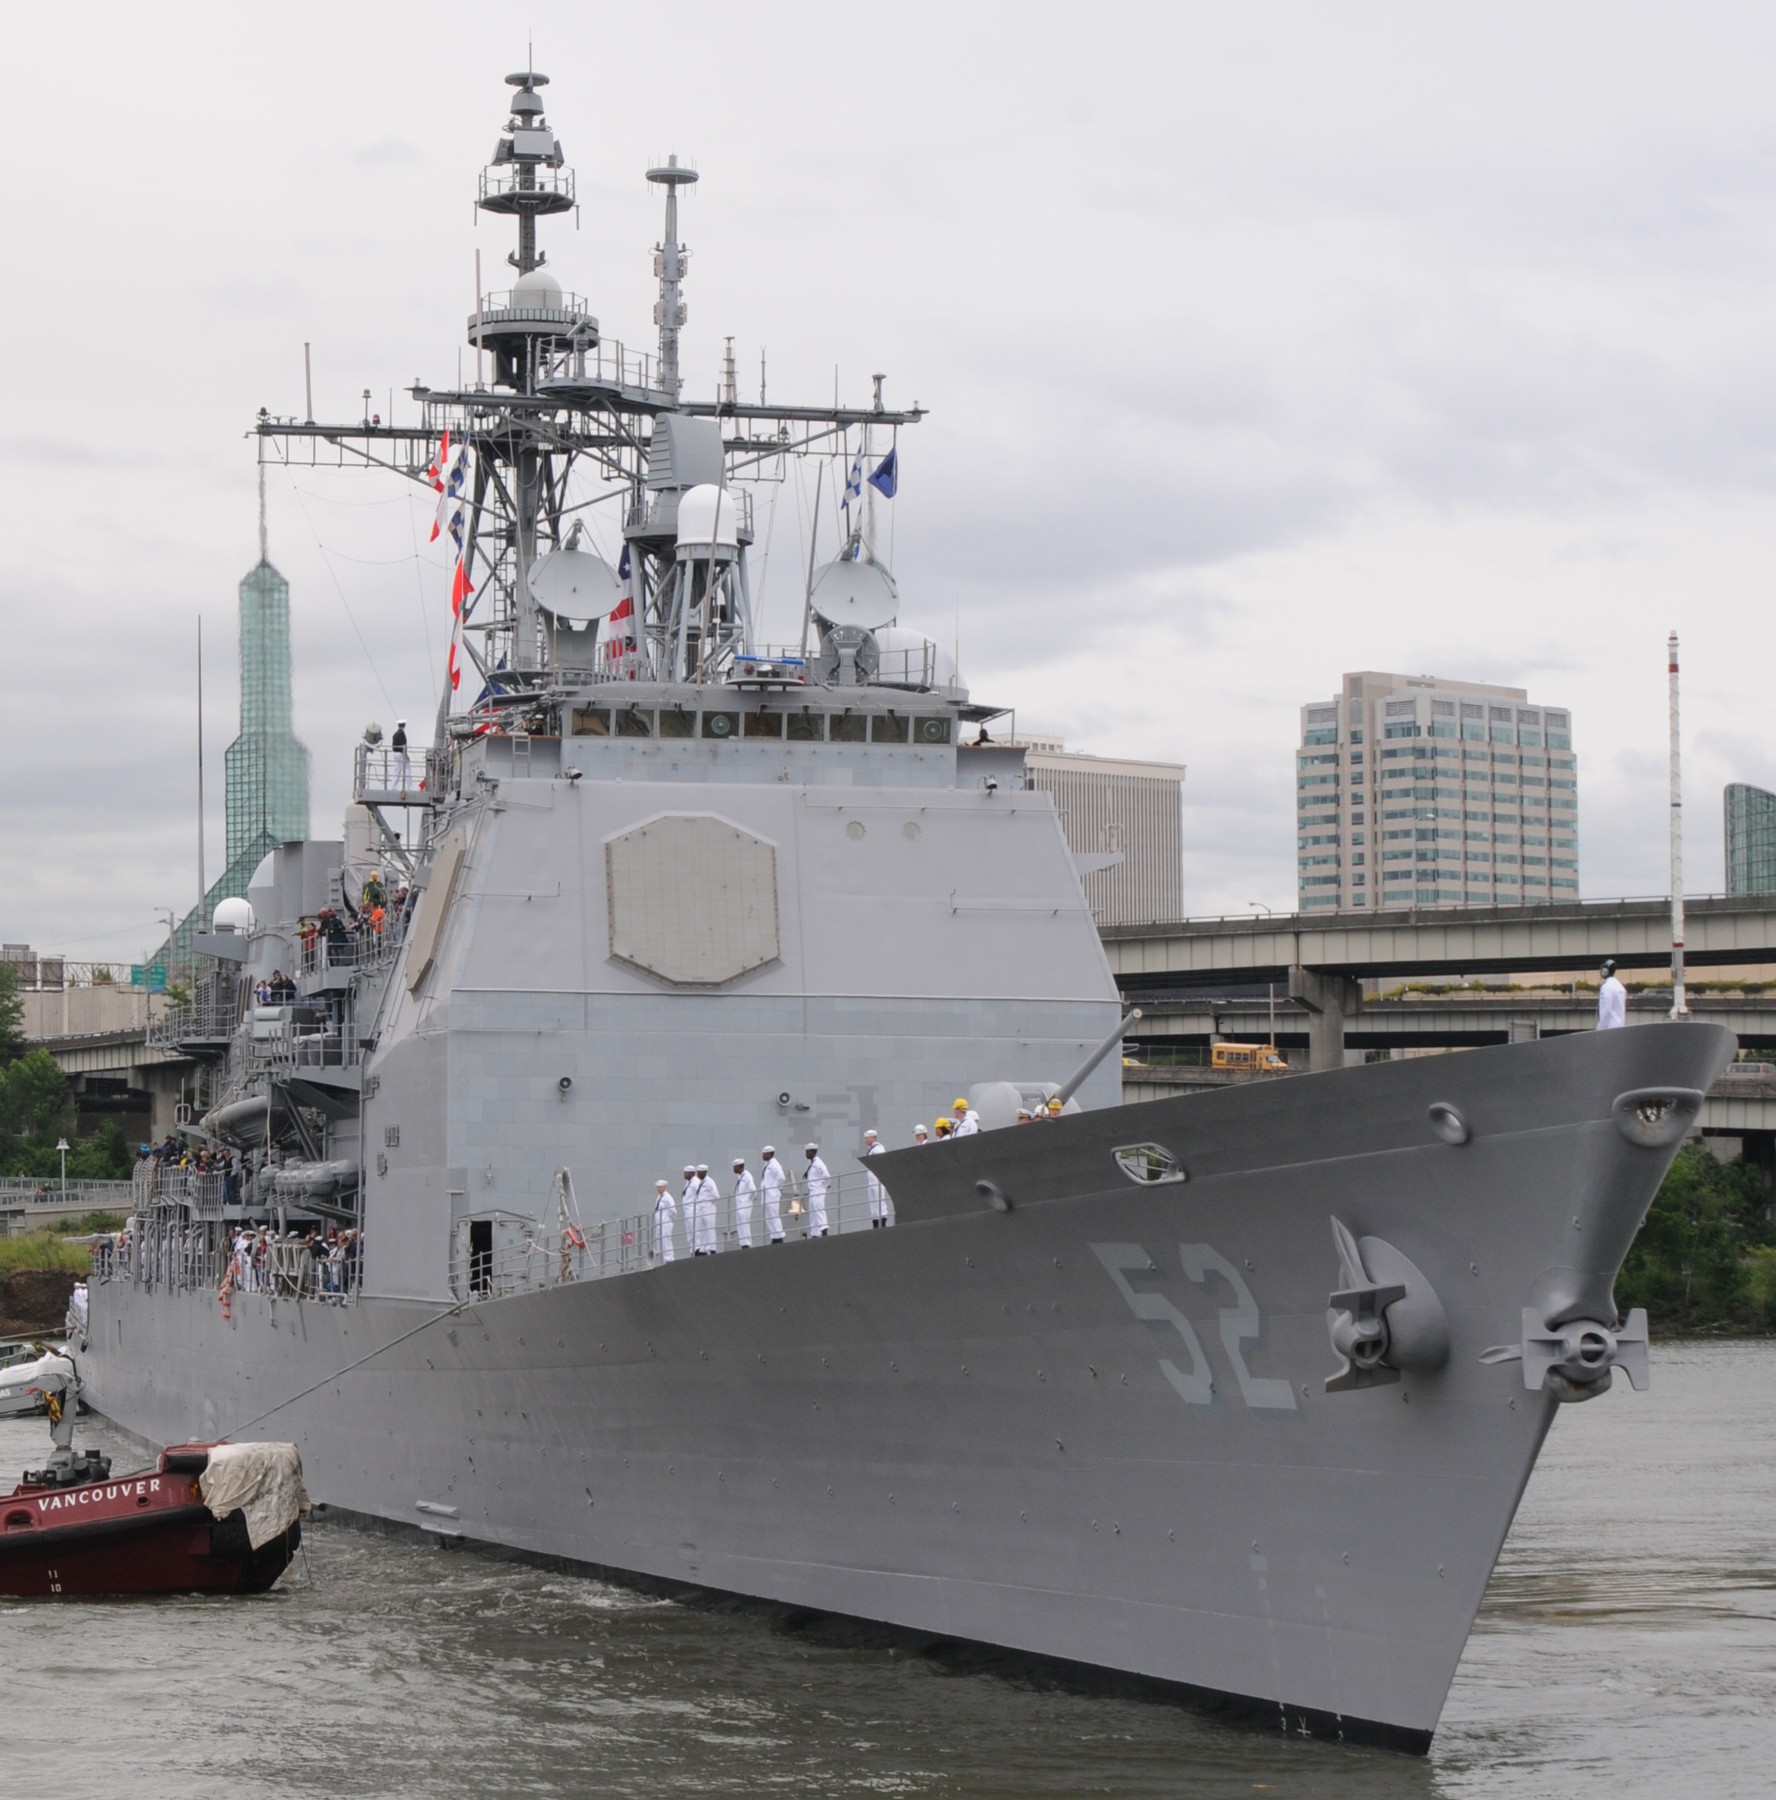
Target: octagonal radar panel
[575,584]
[855,593]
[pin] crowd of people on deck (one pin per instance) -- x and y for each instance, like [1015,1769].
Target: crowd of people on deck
[758,1202]
[336,938]
[200,1159]
[326,1261]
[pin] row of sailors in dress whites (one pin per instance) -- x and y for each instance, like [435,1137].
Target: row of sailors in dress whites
[697,1203]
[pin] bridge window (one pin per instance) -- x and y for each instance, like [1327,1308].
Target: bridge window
[721,724]
[848,728]
[634,722]
[805,727]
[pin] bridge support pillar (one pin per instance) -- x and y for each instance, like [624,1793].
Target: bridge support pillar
[1330,1000]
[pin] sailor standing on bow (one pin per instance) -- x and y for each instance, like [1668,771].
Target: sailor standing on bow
[881,1208]
[708,1199]
[1612,999]
[817,1177]
[771,1179]
[744,1190]
[664,1213]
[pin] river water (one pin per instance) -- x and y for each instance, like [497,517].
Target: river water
[1627,1647]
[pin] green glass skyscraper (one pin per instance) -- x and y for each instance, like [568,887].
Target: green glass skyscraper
[1751,840]
[267,769]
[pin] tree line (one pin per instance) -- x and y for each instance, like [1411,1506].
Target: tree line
[1705,1258]
[37,1109]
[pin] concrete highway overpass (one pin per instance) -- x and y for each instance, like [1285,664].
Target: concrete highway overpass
[1428,1022]
[1321,960]
[116,1075]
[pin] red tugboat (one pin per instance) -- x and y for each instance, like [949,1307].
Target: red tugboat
[221,1518]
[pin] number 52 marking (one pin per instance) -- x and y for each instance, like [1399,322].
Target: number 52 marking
[1241,1324]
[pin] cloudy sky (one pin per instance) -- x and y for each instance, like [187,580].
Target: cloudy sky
[1259,344]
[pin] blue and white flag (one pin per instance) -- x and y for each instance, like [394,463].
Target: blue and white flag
[854,483]
[887,476]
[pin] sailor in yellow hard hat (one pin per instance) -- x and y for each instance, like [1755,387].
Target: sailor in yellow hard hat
[967,1119]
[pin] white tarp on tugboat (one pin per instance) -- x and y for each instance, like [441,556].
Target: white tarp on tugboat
[263,1480]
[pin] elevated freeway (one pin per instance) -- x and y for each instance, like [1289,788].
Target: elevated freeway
[1321,960]
[1429,1022]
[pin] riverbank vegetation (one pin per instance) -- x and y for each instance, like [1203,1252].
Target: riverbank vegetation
[44,1249]
[1705,1260]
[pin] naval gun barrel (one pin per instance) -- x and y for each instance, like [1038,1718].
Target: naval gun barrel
[1070,1086]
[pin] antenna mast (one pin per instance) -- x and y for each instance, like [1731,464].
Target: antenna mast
[670,258]
[1678,1009]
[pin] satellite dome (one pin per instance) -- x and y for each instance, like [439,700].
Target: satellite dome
[232,915]
[707,515]
[537,288]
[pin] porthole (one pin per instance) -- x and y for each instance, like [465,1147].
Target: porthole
[934,731]
[720,724]
[1149,1164]
[854,830]
[910,831]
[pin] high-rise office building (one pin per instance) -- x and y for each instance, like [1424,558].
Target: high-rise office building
[1110,806]
[1414,791]
[1751,840]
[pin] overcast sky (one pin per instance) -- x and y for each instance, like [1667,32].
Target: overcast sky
[1259,344]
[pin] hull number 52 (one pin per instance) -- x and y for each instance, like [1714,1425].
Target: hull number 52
[1240,1324]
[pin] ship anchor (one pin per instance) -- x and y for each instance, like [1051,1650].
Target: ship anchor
[1576,1360]
[1384,1317]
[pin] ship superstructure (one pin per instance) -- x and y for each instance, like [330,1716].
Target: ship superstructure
[1236,1391]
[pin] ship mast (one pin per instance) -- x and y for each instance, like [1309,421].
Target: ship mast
[566,404]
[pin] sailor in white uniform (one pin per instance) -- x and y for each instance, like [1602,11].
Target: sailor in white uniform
[771,1179]
[745,1188]
[687,1207]
[708,1200]
[967,1119]
[1612,1000]
[881,1208]
[817,1177]
[665,1211]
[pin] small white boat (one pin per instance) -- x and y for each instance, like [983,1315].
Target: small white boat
[20,1361]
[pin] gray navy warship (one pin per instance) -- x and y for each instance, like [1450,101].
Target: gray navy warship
[1235,1393]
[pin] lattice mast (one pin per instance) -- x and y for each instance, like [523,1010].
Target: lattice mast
[563,401]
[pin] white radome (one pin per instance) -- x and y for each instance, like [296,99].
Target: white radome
[234,915]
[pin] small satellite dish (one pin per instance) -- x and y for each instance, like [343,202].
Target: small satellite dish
[575,584]
[855,593]
[847,657]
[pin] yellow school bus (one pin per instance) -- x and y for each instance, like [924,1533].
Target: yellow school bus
[1252,1059]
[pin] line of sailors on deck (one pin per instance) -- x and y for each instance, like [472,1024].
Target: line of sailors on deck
[698,1202]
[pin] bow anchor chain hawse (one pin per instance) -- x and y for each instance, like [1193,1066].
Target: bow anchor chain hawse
[1567,1348]
[1384,1316]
